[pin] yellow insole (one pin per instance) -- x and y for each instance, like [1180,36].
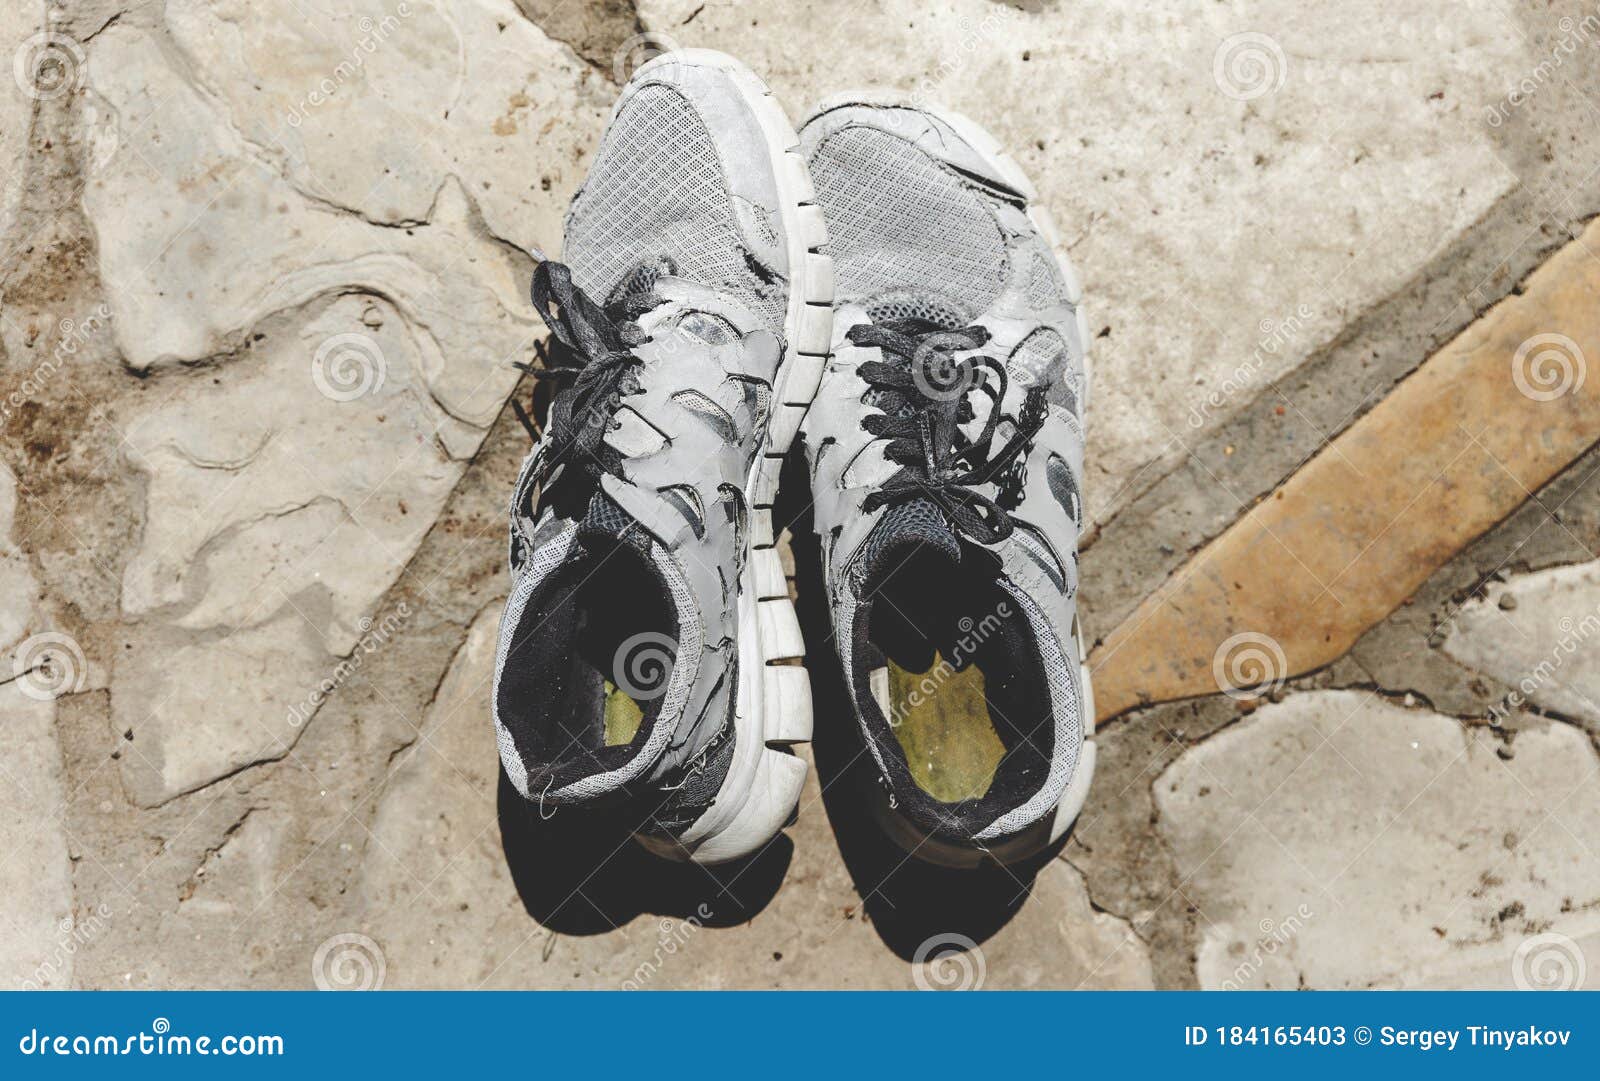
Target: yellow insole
[945,731]
[623,716]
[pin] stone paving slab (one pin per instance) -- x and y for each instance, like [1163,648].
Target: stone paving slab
[1458,446]
[458,888]
[22,40]
[1336,840]
[222,196]
[1321,161]
[1539,634]
[37,920]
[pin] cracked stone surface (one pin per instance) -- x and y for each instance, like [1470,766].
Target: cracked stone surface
[264,276]
[1336,840]
[1211,263]
[599,31]
[276,518]
[288,485]
[1452,450]
[36,906]
[439,898]
[466,90]
[1539,634]
[21,21]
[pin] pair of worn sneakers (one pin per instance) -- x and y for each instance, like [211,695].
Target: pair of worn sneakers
[882,286]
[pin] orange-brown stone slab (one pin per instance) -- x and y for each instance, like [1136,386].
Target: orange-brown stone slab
[1456,447]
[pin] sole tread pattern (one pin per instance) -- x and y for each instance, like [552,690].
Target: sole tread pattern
[772,776]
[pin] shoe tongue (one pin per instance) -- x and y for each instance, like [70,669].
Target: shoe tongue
[606,521]
[927,307]
[697,326]
[903,528]
[640,281]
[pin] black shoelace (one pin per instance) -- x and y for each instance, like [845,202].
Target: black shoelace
[594,348]
[924,400]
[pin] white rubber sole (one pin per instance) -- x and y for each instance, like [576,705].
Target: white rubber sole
[761,792]
[1077,791]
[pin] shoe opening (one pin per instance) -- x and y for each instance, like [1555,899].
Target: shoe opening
[951,687]
[589,665]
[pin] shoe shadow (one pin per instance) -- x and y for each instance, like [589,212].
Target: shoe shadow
[582,873]
[908,901]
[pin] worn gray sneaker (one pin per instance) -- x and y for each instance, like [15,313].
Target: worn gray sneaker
[946,456]
[638,654]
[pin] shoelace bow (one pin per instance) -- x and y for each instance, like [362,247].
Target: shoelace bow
[923,400]
[593,347]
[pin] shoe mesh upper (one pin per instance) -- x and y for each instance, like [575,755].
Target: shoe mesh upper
[930,309]
[898,221]
[1036,355]
[1045,289]
[657,190]
[914,522]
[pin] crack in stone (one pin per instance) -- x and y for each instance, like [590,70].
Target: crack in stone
[194,881]
[597,31]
